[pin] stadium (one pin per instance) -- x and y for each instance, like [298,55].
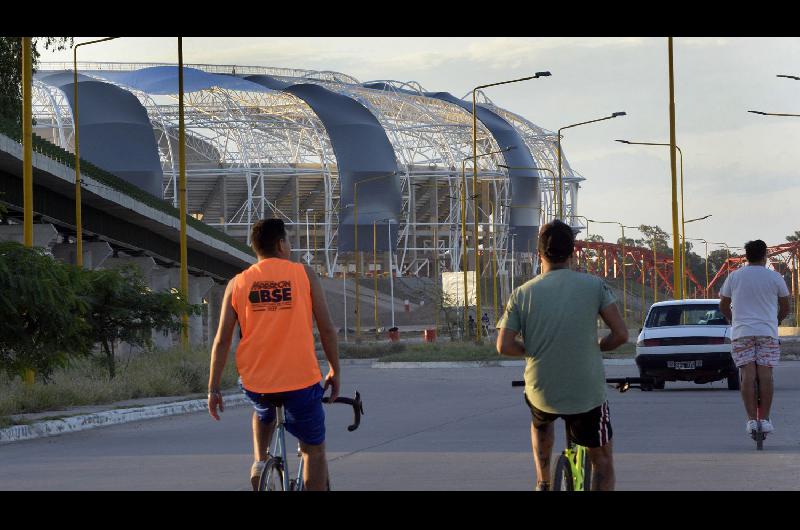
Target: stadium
[325,152]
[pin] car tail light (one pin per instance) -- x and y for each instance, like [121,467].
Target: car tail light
[653,342]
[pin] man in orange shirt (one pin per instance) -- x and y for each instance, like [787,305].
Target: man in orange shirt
[273,302]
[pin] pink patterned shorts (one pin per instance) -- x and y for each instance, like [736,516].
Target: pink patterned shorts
[765,351]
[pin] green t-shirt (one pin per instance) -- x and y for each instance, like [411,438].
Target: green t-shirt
[556,314]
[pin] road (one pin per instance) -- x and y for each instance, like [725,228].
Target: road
[435,429]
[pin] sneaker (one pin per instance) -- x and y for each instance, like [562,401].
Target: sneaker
[752,426]
[542,486]
[766,426]
[255,474]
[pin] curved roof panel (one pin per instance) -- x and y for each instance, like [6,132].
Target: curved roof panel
[115,131]
[363,154]
[525,194]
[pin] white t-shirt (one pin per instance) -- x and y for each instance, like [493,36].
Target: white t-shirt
[754,291]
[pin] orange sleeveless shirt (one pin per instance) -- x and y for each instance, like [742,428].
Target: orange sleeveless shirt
[272,300]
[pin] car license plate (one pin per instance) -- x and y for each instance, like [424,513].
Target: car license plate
[684,365]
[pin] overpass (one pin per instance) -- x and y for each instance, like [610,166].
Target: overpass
[121,224]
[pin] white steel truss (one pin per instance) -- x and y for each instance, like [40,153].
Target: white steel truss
[252,154]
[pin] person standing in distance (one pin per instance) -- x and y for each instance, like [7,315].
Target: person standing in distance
[755,299]
[556,314]
[273,301]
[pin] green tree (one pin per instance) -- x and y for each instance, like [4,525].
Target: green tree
[11,71]
[123,308]
[655,234]
[42,324]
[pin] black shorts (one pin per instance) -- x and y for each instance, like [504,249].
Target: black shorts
[589,429]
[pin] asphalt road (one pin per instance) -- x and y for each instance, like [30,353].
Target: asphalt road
[436,429]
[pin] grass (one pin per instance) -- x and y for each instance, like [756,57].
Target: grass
[439,351]
[157,373]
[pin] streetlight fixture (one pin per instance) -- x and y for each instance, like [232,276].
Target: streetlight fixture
[389,222]
[706,243]
[354,205]
[773,113]
[624,282]
[475,231]
[475,180]
[308,237]
[560,179]
[78,212]
[677,238]
[685,253]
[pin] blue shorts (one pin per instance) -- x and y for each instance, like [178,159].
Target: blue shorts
[304,417]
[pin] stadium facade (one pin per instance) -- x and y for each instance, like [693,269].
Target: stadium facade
[302,145]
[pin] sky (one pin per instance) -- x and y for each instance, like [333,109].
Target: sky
[741,168]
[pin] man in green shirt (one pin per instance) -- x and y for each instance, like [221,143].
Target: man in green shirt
[556,315]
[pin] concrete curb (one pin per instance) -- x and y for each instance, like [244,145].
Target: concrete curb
[112,417]
[480,364]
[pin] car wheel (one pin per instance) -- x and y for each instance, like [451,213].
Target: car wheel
[658,384]
[733,381]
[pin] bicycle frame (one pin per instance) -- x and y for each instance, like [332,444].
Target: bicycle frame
[576,455]
[278,451]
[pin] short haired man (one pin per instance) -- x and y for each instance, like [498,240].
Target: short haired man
[556,314]
[755,300]
[273,302]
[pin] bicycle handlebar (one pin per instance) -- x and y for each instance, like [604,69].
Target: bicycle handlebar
[358,408]
[623,384]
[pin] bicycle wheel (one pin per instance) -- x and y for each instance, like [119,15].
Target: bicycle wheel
[271,477]
[562,478]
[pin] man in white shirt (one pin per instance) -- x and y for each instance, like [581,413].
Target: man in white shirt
[755,300]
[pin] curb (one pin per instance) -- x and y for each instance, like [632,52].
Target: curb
[480,364]
[108,418]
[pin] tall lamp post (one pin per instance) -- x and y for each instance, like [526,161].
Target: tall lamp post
[685,256]
[677,238]
[464,231]
[560,179]
[624,282]
[706,243]
[182,196]
[435,246]
[355,247]
[27,156]
[475,180]
[78,212]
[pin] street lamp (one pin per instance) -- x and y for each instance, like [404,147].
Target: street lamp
[677,238]
[78,213]
[475,231]
[435,245]
[683,247]
[355,247]
[389,222]
[560,180]
[475,180]
[706,243]
[624,282]
[773,113]
[308,237]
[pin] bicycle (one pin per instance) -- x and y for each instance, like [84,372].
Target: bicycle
[573,471]
[274,476]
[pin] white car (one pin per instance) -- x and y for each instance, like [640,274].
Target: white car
[686,340]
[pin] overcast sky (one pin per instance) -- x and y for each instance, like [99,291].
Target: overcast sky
[739,167]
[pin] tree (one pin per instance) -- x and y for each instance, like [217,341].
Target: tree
[654,234]
[794,237]
[11,71]
[42,324]
[123,308]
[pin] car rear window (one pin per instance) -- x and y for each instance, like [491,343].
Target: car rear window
[685,315]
